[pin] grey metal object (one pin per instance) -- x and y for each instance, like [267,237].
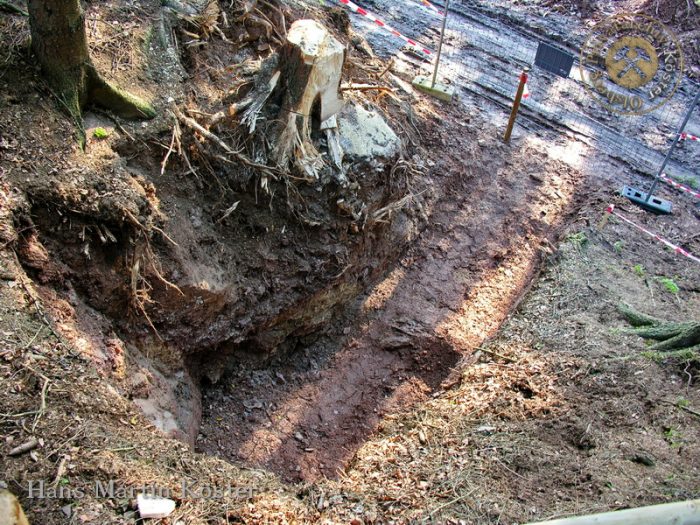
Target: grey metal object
[680,513]
[554,60]
[444,92]
[647,201]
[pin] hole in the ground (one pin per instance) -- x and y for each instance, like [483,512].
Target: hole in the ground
[306,414]
[525,390]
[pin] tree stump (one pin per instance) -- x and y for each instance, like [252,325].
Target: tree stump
[311,64]
[297,94]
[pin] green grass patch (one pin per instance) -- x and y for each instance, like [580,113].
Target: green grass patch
[669,284]
[684,354]
[673,437]
[100,133]
[577,239]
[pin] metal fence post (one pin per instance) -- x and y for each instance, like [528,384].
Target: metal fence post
[442,37]
[673,146]
[432,86]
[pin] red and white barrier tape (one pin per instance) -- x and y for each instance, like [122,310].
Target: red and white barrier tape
[432,7]
[688,136]
[680,186]
[357,9]
[677,249]
[526,91]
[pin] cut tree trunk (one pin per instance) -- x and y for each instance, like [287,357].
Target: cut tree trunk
[311,64]
[671,336]
[60,45]
[297,93]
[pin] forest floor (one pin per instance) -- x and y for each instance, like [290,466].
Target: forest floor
[482,378]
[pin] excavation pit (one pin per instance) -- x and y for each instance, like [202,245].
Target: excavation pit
[304,416]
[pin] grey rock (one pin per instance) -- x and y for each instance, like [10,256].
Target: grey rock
[365,135]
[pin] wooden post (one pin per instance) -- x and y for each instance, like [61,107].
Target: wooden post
[442,37]
[516,104]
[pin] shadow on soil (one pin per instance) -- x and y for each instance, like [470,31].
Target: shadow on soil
[305,414]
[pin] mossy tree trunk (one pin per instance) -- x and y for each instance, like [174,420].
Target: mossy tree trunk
[60,45]
[671,336]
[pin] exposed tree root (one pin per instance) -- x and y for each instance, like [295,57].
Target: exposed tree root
[11,8]
[250,107]
[270,171]
[60,45]
[140,292]
[671,336]
[150,256]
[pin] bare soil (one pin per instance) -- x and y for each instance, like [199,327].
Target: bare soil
[462,362]
[306,415]
[559,414]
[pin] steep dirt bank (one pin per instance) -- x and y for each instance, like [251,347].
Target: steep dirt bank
[158,268]
[402,399]
[305,416]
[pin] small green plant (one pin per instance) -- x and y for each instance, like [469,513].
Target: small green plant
[639,270]
[673,437]
[577,239]
[670,285]
[682,402]
[100,133]
[618,247]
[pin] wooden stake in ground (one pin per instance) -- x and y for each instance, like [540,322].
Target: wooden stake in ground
[516,104]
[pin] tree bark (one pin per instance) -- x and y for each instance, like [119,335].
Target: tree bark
[671,336]
[312,64]
[60,44]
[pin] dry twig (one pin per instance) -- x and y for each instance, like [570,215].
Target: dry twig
[174,145]
[24,447]
[366,87]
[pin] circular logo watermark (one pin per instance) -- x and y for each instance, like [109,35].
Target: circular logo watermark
[631,64]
